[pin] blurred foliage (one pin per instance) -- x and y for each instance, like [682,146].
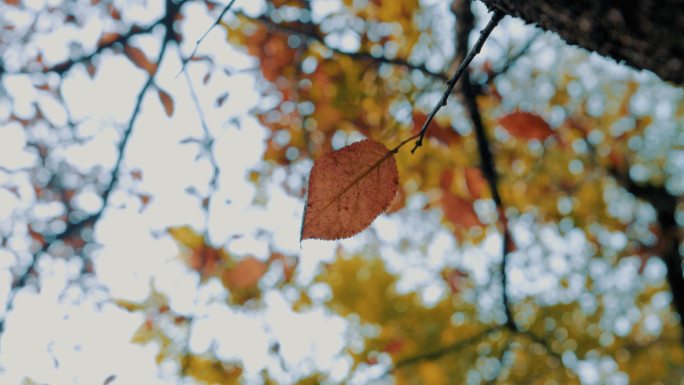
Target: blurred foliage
[587,283]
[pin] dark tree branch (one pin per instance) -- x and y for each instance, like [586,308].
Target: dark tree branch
[441,352]
[665,205]
[496,17]
[510,61]
[466,23]
[64,67]
[645,34]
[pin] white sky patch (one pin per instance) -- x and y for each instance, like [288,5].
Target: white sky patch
[310,337]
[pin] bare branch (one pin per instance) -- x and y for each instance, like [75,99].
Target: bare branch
[516,56]
[496,17]
[199,41]
[73,227]
[313,36]
[466,23]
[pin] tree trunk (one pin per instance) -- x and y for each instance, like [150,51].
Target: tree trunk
[645,34]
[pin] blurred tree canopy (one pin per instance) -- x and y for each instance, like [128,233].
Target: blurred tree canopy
[535,237]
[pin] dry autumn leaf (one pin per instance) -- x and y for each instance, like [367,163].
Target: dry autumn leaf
[166,101]
[348,188]
[245,274]
[138,57]
[108,38]
[526,125]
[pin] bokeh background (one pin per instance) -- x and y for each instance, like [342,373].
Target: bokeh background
[153,180]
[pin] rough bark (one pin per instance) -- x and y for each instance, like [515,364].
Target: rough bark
[645,34]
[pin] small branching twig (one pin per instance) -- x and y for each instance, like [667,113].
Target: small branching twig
[207,142]
[199,41]
[311,35]
[522,51]
[496,17]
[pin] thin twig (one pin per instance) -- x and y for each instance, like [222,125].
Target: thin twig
[205,128]
[516,56]
[496,17]
[435,354]
[199,41]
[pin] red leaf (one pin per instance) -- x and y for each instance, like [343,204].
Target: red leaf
[393,346]
[443,133]
[167,102]
[526,125]
[138,57]
[348,189]
[459,211]
[446,179]
[454,279]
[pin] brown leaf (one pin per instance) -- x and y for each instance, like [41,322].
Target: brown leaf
[245,274]
[526,125]
[167,102]
[138,57]
[348,188]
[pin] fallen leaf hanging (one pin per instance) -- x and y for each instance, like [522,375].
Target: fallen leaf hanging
[348,189]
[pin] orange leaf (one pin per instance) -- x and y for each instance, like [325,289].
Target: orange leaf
[245,274]
[138,57]
[348,188]
[526,125]
[167,102]
[108,38]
